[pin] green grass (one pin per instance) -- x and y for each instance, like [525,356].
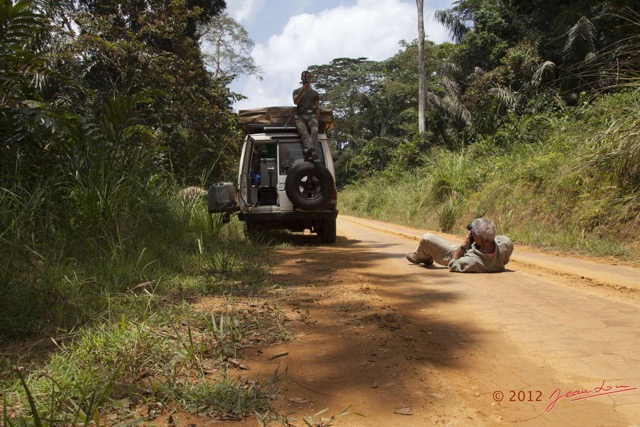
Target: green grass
[174,355]
[111,289]
[568,183]
[231,398]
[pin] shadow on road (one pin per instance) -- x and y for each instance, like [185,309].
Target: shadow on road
[366,328]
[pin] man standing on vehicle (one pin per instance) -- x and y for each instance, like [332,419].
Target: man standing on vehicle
[481,252]
[307,103]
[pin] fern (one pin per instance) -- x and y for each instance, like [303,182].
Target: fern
[506,95]
[18,25]
[453,22]
[545,71]
[582,36]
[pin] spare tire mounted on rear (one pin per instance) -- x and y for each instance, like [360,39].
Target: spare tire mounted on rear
[309,186]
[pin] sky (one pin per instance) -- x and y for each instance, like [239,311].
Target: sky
[291,35]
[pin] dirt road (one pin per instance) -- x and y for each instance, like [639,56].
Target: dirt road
[551,342]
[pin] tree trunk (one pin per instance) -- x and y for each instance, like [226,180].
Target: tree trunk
[421,77]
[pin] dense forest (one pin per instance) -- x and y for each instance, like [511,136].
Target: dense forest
[511,60]
[108,108]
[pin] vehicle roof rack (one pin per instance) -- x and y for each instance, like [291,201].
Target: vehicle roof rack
[266,128]
[279,118]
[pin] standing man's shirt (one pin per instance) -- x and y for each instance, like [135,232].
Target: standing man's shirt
[308,102]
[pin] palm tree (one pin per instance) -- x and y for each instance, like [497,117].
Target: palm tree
[421,76]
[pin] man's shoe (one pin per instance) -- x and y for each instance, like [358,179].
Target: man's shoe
[413,258]
[311,156]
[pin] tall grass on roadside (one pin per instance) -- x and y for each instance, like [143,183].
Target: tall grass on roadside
[57,279]
[106,227]
[431,196]
[449,213]
[449,174]
[62,260]
[573,188]
[616,150]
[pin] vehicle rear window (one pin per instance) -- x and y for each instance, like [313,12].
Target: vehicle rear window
[291,154]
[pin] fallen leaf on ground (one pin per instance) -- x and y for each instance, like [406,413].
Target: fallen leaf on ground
[403,411]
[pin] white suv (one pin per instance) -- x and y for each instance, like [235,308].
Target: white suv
[277,188]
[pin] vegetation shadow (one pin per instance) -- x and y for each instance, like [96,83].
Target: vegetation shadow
[370,318]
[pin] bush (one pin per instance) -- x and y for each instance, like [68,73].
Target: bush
[573,186]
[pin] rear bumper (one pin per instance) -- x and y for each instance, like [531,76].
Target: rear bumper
[286,217]
[294,221]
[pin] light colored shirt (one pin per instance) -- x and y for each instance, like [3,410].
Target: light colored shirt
[474,261]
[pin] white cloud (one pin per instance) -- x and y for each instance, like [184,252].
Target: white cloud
[370,28]
[244,11]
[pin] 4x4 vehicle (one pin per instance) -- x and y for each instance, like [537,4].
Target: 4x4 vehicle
[277,188]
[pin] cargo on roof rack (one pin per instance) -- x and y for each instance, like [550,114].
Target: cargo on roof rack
[260,128]
[279,118]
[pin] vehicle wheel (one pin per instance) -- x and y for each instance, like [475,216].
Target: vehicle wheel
[327,231]
[309,186]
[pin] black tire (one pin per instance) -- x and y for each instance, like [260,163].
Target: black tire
[327,231]
[309,186]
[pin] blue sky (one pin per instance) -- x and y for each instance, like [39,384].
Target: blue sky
[291,35]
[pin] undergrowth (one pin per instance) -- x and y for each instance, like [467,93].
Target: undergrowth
[110,297]
[119,370]
[565,183]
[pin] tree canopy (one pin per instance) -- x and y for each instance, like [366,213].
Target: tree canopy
[63,61]
[511,59]
[89,52]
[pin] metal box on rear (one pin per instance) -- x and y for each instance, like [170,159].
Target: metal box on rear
[221,197]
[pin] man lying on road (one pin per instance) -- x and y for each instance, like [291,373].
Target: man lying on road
[481,252]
